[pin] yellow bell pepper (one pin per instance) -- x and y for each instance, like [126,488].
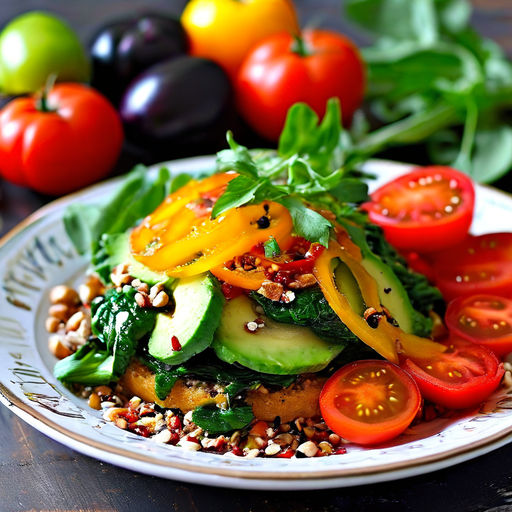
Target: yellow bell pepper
[385,338]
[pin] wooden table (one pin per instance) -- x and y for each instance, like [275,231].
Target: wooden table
[37,473]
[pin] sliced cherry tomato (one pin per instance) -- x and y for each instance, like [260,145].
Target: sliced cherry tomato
[369,402]
[483,319]
[478,265]
[428,209]
[462,376]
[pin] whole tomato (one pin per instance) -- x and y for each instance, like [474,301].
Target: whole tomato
[282,70]
[225,30]
[68,139]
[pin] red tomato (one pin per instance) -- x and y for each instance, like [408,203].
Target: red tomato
[427,209]
[480,264]
[72,144]
[278,73]
[463,376]
[369,402]
[483,319]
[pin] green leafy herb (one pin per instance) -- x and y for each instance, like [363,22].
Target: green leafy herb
[431,74]
[119,323]
[271,248]
[91,365]
[308,169]
[218,421]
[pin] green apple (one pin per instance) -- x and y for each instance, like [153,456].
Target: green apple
[34,46]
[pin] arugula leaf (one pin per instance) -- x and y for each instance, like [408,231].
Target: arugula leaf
[240,191]
[91,365]
[430,73]
[307,223]
[137,196]
[119,323]
[271,248]
[218,421]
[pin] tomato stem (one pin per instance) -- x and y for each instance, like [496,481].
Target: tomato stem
[299,46]
[42,103]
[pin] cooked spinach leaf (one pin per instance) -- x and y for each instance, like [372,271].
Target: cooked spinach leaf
[206,367]
[91,364]
[219,421]
[120,323]
[310,309]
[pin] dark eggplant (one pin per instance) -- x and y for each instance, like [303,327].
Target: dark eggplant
[123,49]
[177,107]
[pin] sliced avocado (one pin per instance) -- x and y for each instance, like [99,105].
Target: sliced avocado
[196,316]
[118,248]
[276,348]
[391,292]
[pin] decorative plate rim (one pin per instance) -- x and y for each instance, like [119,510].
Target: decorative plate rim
[314,478]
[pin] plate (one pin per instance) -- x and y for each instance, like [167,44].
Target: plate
[37,255]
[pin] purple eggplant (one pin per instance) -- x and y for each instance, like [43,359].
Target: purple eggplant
[123,49]
[180,106]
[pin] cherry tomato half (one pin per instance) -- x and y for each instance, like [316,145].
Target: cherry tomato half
[482,319]
[462,376]
[479,264]
[428,209]
[369,402]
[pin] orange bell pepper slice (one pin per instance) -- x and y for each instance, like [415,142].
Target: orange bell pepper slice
[386,339]
[246,279]
[176,215]
[213,241]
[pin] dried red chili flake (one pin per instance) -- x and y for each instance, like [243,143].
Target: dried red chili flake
[175,437]
[175,343]
[141,430]
[175,423]
[130,416]
[193,439]
[340,451]
[286,454]
[236,450]
[230,291]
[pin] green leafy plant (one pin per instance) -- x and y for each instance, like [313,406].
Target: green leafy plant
[434,80]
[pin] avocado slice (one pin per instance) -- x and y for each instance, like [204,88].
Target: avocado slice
[347,285]
[118,248]
[276,348]
[196,316]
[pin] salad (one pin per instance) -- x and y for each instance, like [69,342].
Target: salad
[262,311]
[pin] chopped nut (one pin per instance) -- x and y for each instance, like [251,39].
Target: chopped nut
[283,439]
[63,294]
[161,300]
[162,437]
[155,290]
[142,300]
[334,439]
[272,449]
[94,401]
[108,405]
[252,454]
[58,347]
[111,413]
[136,283]
[52,324]
[303,281]
[309,432]
[74,321]
[135,401]
[90,289]
[60,311]
[189,445]
[121,423]
[271,290]
[309,449]
[325,447]
[288,296]
[84,329]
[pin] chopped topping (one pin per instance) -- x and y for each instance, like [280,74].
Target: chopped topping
[176,345]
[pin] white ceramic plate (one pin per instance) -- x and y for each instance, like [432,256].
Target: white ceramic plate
[37,255]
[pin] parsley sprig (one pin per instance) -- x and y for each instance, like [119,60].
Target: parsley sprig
[313,167]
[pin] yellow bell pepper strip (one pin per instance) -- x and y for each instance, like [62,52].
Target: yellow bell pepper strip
[214,241]
[385,338]
[176,216]
[246,279]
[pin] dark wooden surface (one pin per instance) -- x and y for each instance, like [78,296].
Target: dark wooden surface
[37,473]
